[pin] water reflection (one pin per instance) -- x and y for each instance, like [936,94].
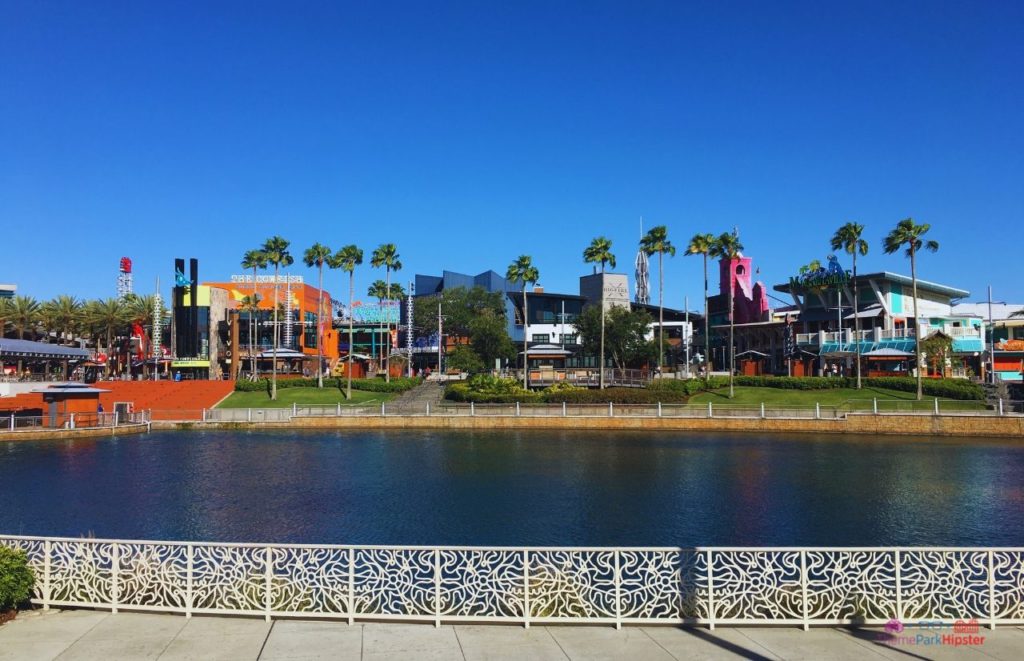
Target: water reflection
[514,488]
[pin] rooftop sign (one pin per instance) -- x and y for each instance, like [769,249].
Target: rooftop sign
[832,277]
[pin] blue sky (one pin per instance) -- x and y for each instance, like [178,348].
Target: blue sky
[469,133]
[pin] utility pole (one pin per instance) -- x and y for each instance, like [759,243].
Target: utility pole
[686,330]
[991,340]
[408,328]
[440,337]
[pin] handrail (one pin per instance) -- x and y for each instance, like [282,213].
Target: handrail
[960,586]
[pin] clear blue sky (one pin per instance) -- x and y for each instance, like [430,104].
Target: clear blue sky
[468,133]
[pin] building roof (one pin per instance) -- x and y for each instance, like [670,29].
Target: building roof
[69,388]
[28,349]
[1000,311]
[926,285]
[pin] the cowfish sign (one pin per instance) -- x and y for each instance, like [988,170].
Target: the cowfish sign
[832,277]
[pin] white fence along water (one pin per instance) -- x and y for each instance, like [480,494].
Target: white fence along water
[706,586]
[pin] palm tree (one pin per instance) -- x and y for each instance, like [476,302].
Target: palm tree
[728,246]
[108,316]
[347,259]
[142,310]
[907,233]
[317,255]
[656,241]
[386,255]
[523,270]
[24,315]
[276,251]
[253,259]
[702,244]
[68,313]
[380,291]
[600,251]
[848,237]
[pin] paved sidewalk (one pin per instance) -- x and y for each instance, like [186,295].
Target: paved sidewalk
[102,636]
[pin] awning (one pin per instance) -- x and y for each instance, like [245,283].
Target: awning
[869,312]
[547,351]
[751,352]
[887,353]
[286,354]
[20,349]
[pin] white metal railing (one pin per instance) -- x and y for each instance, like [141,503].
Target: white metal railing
[16,422]
[962,331]
[806,338]
[897,334]
[711,586]
[931,406]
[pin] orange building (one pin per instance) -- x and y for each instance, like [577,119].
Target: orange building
[297,318]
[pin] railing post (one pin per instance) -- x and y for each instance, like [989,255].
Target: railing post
[116,415]
[437,588]
[428,409]
[382,412]
[115,566]
[936,406]
[874,405]
[338,409]
[12,422]
[295,408]
[710,414]
[204,415]
[517,409]
[817,410]
[72,421]
[1000,412]
[991,591]
[526,589]
[248,415]
[47,550]
[472,409]
[189,580]
[351,586]
[618,592]
[267,576]
[563,409]
[899,588]
[659,409]
[711,594]
[611,410]
[803,587]
[762,410]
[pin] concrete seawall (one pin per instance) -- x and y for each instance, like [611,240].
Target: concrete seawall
[41,433]
[888,424]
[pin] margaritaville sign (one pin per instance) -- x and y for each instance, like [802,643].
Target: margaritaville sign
[832,277]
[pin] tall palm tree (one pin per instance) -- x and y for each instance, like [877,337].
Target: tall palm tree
[108,316]
[317,255]
[907,233]
[68,312]
[347,259]
[276,251]
[728,246]
[600,251]
[702,244]
[380,291]
[522,270]
[24,315]
[253,259]
[386,255]
[848,238]
[656,241]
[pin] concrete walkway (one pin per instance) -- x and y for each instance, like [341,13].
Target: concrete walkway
[83,634]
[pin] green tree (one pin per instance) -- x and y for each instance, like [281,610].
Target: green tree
[656,241]
[24,314]
[625,335]
[347,259]
[600,251]
[108,316]
[459,307]
[937,349]
[908,233]
[702,244]
[141,309]
[522,270]
[253,259]
[380,290]
[465,359]
[488,336]
[728,246]
[317,255]
[386,255]
[275,249]
[848,238]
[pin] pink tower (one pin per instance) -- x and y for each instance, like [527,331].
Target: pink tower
[750,300]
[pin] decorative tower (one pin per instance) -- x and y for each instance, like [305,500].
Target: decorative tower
[643,292]
[124,278]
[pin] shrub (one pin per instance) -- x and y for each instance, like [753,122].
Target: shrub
[461,392]
[398,384]
[16,578]
[615,396]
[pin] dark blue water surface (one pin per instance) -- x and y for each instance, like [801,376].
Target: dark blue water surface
[517,488]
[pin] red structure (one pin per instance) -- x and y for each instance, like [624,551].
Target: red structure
[750,299]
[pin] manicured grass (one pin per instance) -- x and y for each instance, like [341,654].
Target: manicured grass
[303,397]
[849,399]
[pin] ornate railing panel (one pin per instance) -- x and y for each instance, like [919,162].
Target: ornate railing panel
[803,586]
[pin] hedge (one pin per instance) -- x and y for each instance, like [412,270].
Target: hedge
[398,384]
[16,578]
[615,396]
[946,388]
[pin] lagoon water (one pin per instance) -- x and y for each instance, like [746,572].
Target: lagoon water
[518,488]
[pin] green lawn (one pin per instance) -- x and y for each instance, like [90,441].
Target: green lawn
[303,397]
[849,399]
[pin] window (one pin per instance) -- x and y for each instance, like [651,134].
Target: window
[540,338]
[309,334]
[570,338]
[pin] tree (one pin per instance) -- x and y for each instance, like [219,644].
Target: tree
[522,270]
[702,244]
[728,246]
[600,251]
[317,255]
[142,309]
[275,249]
[24,315]
[253,259]
[848,238]
[347,259]
[907,233]
[937,349]
[625,335]
[460,306]
[380,291]
[65,313]
[463,358]
[488,336]
[108,316]
[656,241]
[386,255]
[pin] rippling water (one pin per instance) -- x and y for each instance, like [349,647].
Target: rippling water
[517,488]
